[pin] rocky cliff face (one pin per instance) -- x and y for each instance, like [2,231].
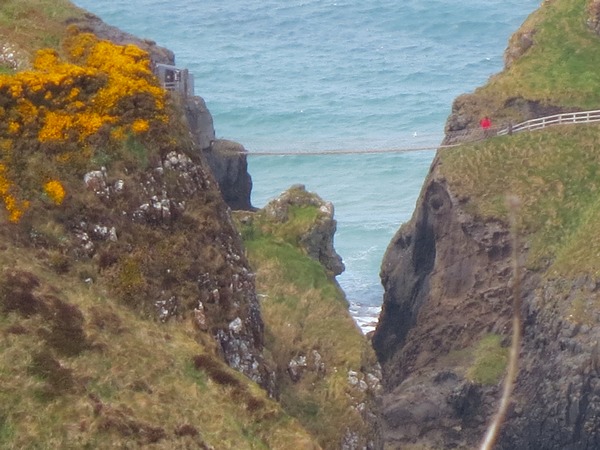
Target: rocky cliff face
[325,368]
[152,218]
[446,286]
[317,239]
[226,159]
[447,278]
[228,163]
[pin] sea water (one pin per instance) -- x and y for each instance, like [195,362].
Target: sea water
[310,75]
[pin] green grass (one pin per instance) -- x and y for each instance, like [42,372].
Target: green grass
[560,68]
[304,311]
[489,360]
[134,373]
[556,175]
[33,24]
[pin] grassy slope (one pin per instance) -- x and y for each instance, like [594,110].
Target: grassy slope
[559,69]
[554,172]
[79,369]
[132,381]
[297,295]
[34,24]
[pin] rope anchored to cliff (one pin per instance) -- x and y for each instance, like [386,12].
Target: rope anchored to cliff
[454,138]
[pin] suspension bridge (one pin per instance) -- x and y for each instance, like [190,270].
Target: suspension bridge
[454,139]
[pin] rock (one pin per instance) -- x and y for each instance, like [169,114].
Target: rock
[236,325]
[317,240]
[167,308]
[96,182]
[434,273]
[228,163]
[200,318]
[518,45]
[593,20]
[296,368]
[200,121]
[447,277]
[12,57]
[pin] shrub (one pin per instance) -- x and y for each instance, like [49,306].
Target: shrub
[68,110]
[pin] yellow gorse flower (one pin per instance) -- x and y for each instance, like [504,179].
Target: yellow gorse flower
[14,208]
[100,85]
[140,125]
[55,191]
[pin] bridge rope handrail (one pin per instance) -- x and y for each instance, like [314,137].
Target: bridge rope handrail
[454,138]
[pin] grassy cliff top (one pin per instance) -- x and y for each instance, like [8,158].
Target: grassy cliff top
[561,66]
[551,66]
[29,25]
[323,362]
[554,172]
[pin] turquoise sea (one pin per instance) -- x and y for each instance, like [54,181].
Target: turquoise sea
[309,75]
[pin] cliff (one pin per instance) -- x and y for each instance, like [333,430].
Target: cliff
[445,326]
[129,313]
[325,369]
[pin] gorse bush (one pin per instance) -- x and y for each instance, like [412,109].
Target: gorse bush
[67,108]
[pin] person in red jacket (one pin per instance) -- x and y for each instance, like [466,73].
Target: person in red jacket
[485,124]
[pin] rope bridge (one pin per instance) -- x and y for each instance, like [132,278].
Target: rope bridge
[456,138]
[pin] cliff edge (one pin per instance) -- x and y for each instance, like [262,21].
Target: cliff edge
[445,326]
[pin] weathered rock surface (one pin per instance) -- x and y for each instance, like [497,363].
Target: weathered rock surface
[446,284]
[447,279]
[317,241]
[229,165]
[557,398]
[593,10]
[200,121]
[162,197]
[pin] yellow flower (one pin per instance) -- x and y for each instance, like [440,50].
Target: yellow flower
[140,126]
[13,127]
[15,211]
[55,191]
[73,100]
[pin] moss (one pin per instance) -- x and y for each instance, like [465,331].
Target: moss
[489,360]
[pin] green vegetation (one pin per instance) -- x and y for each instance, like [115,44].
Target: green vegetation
[489,360]
[559,69]
[306,315]
[84,362]
[30,25]
[101,376]
[556,175]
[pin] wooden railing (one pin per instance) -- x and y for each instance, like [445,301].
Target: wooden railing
[557,119]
